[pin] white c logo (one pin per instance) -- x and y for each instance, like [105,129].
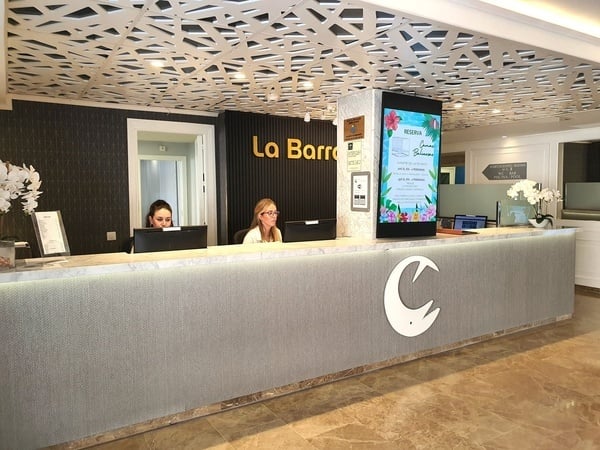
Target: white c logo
[406,321]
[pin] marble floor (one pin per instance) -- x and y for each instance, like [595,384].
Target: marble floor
[538,389]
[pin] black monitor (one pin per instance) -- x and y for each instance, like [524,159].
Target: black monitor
[309,230]
[465,221]
[173,238]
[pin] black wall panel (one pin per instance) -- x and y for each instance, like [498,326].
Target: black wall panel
[301,188]
[81,155]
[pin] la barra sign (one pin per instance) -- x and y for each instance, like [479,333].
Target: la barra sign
[294,149]
[506,171]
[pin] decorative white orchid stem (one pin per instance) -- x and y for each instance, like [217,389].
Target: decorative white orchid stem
[19,182]
[539,198]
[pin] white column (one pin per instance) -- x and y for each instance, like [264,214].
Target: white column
[367,103]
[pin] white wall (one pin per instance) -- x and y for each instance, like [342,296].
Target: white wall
[542,153]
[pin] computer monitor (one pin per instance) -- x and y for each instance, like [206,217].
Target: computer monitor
[465,221]
[173,238]
[309,230]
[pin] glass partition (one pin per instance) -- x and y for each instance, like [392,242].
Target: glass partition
[584,196]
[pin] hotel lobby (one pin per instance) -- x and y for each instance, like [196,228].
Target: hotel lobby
[291,345]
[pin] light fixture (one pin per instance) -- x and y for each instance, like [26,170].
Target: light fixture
[307,117]
[334,121]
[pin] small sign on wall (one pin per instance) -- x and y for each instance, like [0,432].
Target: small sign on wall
[360,191]
[354,155]
[354,128]
[506,171]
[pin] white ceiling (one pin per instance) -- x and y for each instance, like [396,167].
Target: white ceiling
[287,57]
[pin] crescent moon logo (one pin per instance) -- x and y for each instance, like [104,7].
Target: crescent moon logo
[404,320]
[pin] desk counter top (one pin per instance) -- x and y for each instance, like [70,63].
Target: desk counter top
[108,263]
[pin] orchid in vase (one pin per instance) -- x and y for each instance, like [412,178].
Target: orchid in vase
[539,198]
[19,182]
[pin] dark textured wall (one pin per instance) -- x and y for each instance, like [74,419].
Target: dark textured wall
[301,188]
[81,155]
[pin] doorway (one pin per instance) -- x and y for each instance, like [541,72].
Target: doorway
[193,167]
[164,177]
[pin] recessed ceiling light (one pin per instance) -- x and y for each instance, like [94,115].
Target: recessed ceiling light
[495,111]
[458,105]
[157,63]
[239,76]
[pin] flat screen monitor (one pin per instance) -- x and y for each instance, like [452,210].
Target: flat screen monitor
[173,238]
[309,230]
[469,222]
[409,166]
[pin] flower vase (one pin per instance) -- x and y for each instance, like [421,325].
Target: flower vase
[7,255]
[543,224]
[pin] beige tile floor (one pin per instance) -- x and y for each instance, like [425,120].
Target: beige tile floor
[538,389]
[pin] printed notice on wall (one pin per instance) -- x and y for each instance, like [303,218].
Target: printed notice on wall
[360,191]
[354,155]
[50,233]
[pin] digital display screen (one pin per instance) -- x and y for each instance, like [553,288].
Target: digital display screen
[409,166]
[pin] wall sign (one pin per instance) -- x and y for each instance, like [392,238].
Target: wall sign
[294,149]
[361,185]
[354,155]
[354,128]
[506,171]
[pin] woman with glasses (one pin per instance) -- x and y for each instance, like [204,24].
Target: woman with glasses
[264,224]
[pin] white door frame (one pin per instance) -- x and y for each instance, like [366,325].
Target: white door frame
[205,151]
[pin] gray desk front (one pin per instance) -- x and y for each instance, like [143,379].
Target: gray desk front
[105,342]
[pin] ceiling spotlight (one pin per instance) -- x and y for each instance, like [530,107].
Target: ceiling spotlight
[307,117]
[458,105]
[334,121]
[495,111]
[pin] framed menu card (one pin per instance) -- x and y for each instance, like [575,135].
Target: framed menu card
[50,233]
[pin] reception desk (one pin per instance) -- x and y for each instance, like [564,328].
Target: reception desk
[96,347]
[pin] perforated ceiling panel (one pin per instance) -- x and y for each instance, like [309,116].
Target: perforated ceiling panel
[282,57]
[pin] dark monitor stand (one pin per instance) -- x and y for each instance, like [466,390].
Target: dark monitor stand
[173,238]
[309,230]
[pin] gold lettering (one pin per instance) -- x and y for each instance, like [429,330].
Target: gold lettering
[272,150]
[293,148]
[255,148]
[320,152]
[309,152]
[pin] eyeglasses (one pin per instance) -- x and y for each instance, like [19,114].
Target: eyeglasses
[270,213]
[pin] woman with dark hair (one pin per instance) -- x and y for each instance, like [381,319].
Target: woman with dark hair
[159,215]
[264,224]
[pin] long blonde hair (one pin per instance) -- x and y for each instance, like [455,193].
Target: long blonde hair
[261,205]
